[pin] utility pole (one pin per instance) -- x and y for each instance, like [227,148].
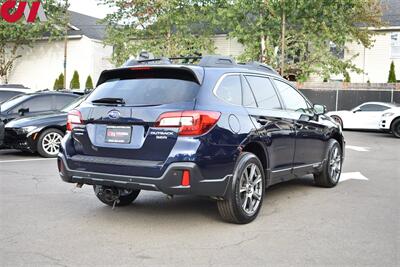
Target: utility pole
[66,43]
[283,24]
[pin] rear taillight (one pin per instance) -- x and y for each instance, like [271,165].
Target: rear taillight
[74,118]
[190,123]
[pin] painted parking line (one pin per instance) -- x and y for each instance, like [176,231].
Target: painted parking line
[24,160]
[352,176]
[358,148]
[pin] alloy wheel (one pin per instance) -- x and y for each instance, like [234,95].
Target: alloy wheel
[250,190]
[51,143]
[335,164]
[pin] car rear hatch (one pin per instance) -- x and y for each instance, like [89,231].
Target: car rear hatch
[117,133]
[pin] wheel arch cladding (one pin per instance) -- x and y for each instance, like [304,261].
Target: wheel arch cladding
[338,137]
[258,150]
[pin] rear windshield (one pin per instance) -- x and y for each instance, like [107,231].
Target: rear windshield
[153,91]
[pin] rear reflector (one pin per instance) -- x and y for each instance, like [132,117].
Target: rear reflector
[74,117]
[190,123]
[185,178]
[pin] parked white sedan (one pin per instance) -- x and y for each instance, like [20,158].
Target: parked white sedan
[365,116]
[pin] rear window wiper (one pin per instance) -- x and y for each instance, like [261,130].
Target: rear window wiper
[109,100]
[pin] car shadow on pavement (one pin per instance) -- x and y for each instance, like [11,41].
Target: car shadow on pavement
[154,206]
[17,153]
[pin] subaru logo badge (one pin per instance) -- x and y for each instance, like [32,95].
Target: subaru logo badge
[114,114]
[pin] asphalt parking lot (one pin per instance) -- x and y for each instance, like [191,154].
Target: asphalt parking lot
[45,222]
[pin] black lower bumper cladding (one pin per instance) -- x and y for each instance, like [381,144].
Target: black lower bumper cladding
[169,183]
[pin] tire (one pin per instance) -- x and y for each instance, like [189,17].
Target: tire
[395,127]
[338,120]
[332,168]
[49,141]
[236,207]
[126,197]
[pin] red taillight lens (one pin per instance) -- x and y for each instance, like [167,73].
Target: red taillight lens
[74,117]
[190,123]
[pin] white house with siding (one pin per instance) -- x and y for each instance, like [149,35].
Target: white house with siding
[40,65]
[375,61]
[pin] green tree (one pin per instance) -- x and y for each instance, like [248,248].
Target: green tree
[165,28]
[308,30]
[55,86]
[347,78]
[75,84]
[89,83]
[59,83]
[392,74]
[14,37]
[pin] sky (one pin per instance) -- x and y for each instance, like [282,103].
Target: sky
[88,7]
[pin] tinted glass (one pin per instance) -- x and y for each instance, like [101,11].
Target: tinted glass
[36,104]
[264,92]
[136,92]
[73,104]
[12,102]
[61,101]
[293,99]
[373,107]
[230,90]
[6,95]
[248,97]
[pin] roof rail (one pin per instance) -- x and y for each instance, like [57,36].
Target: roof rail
[259,66]
[133,62]
[204,61]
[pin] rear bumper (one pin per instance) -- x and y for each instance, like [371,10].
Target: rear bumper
[169,183]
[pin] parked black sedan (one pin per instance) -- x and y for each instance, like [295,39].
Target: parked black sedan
[32,104]
[41,134]
[1,133]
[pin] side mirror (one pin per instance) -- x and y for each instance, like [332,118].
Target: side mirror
[320,109]
[22,111]
[357,110]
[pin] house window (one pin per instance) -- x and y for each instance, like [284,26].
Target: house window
[336,51]
[395,45]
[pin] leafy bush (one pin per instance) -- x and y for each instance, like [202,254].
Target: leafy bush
[75,84]
[347,78]
[59,83]
[89,83]
[392,74]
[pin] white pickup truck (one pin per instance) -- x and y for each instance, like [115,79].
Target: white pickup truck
[390,121]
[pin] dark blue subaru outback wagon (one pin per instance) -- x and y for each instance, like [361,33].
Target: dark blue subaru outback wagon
[216,128]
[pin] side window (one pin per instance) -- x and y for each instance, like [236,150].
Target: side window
[230,90]
[61,101]
[373,107]
[248,97]
[264,92]
[37,104]
[293,99]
